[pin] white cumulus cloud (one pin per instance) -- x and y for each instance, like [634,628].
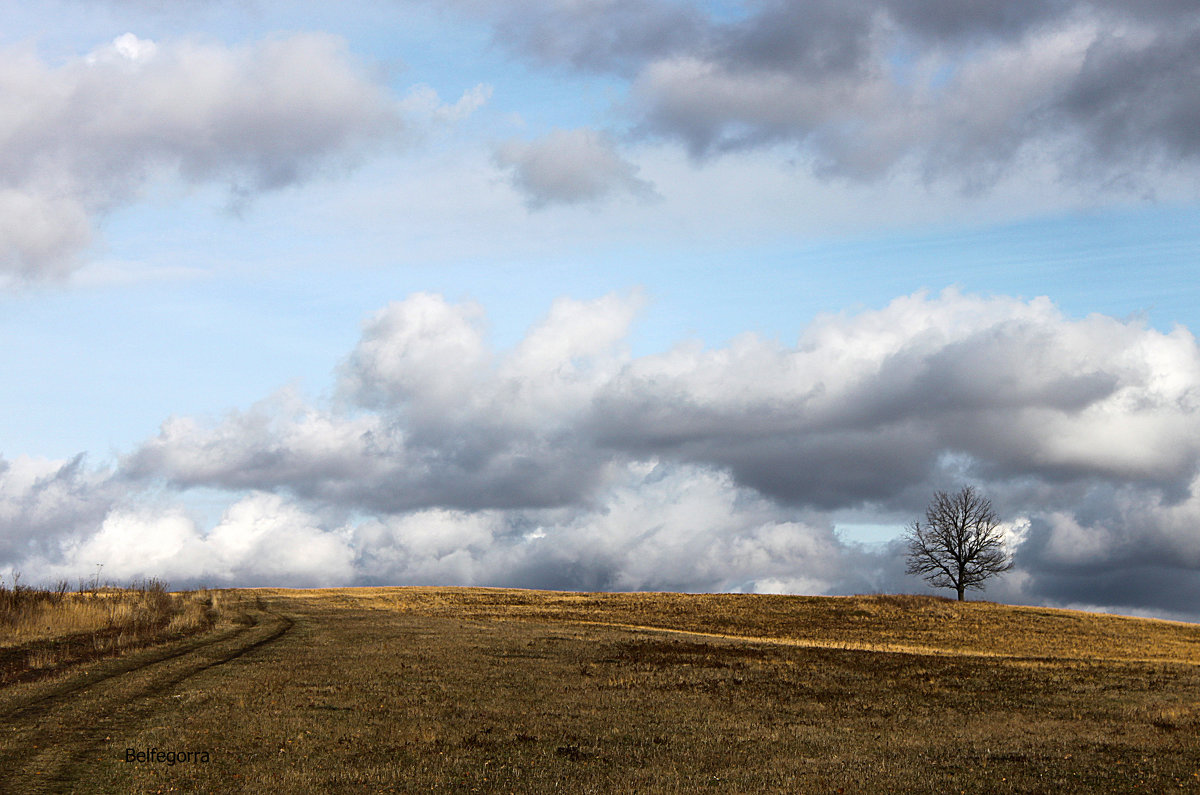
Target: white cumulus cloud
[80,138]
[565,461]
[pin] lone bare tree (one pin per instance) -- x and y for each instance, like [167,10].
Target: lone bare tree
[960,544]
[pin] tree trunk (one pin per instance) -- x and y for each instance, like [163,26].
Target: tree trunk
[961,598]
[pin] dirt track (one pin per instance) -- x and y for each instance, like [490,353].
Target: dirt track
[54,730]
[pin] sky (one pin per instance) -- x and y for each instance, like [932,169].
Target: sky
[600,294]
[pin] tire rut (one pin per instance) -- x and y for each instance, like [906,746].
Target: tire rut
[109,669]
[50,740]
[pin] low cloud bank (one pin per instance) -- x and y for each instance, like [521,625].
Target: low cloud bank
[567,462]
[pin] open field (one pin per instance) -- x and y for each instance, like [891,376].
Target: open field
[440,689]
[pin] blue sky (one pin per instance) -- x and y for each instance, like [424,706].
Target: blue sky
[490,293]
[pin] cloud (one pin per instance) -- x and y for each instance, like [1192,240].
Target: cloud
[660,527]
[1117,544]
[564,461]
[601,35]
[861,409]
[865,408]
[83,137]
[44,502]
[570,167]
[963,92]
[41,236]
[450,424]
[419,349]
[260,540]
[423,100]
[1136,87]
[656,527]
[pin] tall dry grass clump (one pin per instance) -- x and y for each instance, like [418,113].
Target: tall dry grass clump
[44,628]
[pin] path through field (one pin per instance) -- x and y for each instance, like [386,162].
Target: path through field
[55,733]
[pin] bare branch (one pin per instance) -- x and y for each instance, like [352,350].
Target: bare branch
[960,545]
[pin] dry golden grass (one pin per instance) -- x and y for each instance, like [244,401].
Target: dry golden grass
[481,690]
[897,623]
[42,630]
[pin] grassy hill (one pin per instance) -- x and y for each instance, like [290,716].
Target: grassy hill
[493,690]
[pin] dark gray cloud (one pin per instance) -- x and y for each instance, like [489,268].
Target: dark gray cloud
[604,35]
[816,38]
[570,167]
[1101,90]
[46,503]
[373,464]
[1130,91]
[941,21]
[1117,544]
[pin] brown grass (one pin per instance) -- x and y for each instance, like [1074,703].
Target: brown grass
[898,623]
[44,630]
[480,690]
